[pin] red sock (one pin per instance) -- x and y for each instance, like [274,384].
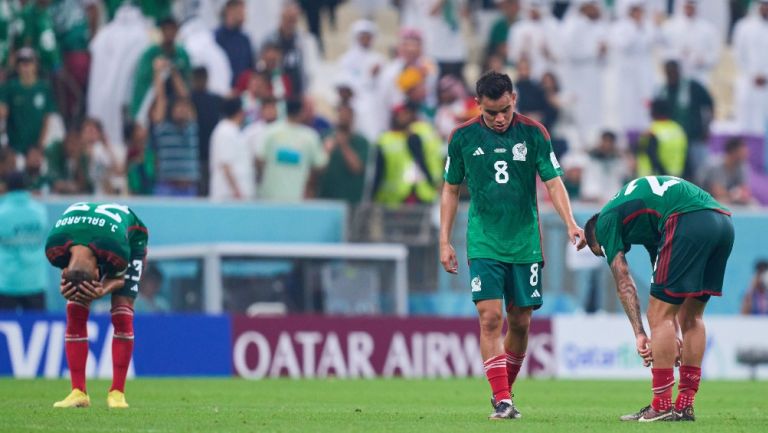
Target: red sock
[122,345]
[496,372]
[76,343]
[514,362]
[663,382]
[690,377]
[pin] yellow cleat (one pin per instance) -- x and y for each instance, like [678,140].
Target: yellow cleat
[76,398]
[116,400]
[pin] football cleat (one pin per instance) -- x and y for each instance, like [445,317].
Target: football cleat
[505,410]
[76,398]
[116,400]
[635,416]
[651,415]
[685,415]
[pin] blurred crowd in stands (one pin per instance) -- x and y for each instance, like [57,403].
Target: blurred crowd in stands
[243,100]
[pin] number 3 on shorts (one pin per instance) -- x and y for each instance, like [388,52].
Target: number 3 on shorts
[534,280]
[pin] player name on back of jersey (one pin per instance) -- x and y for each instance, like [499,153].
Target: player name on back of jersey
[89,220]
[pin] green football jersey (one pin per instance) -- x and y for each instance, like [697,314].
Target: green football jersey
[113,232]
[500,169]
[637,213]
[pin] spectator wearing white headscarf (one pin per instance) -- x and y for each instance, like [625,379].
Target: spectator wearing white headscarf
[633,37]
[692,41]
[585,55]
[750,45]
[535,37]
[360,67]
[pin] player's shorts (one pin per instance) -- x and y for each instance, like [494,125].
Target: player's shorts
[692,255]
[517,284]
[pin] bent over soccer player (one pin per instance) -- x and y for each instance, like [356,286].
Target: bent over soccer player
[689,237]
[499,153]
[101,250]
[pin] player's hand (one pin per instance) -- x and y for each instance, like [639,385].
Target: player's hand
[68,290]
[91,290]
[679,357]
[576,235]
[448,258]
[643,345]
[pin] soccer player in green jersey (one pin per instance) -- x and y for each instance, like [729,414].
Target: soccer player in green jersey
[101,249]
[689,237]
[499,153]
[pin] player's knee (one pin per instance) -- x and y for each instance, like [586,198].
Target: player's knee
[77,321]
[122,321]
[490,321]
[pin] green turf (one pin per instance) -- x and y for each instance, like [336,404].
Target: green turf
[231,405]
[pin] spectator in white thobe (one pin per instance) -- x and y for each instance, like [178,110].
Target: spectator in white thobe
[361,67]
[692,41]
[535,38]
[633,37]
[585,55]
[750,46]
[203,50]
[115,52]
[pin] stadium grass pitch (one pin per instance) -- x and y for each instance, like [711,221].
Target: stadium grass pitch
[381,405]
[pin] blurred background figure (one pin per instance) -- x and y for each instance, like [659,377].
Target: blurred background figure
[535,38]
[23,276]
[663,148]
[693,108]
[755,301]
[231,159]
[290,150]
[344,176]
[750,39]
[633,38]
[727,179]
[150,299]
[692,41]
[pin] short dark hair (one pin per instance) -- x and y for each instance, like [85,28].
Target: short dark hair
[610,135]
[293,107]
[167,21]
[231,107]
[590,230]
[493,85]
[733,144]
[77,276]
[129,128]
[660,109]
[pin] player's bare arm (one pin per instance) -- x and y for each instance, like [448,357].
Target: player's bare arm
[559,197]
[449,203]
[627,291]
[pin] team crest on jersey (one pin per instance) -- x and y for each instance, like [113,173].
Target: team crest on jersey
[477,285]
[519,151]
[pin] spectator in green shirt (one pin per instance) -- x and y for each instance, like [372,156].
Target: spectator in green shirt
[26,103]
[35,30]
[177,59]
[497,40]
[344,177]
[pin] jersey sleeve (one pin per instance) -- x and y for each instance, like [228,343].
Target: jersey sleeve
[608,232]
[138,237]
[546,161]
[454,163]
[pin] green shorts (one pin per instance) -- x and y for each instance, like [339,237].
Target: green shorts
[692,255]
[517,284]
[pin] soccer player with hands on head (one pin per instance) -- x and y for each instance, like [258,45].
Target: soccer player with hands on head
[499,153]
[689,237]
[101,249]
